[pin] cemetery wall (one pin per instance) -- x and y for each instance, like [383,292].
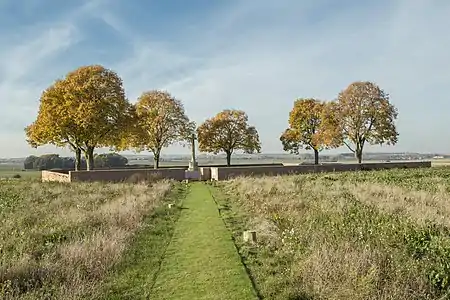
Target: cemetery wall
[124,175]
[219,173]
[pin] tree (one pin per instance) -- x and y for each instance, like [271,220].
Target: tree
[110,160]
[160,121]
[85,110]
[29,162]
[306,129]
[53,125]
[228,131]
[47,162]
[363,113]
[51,161]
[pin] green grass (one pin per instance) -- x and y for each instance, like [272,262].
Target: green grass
[135,275]
[10,173]
[11,170]
[201,261]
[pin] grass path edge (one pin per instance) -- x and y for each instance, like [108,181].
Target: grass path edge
[221,208]
[134,276]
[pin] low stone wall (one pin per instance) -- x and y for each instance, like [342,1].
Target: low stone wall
[125,175]
[241,165]
[220,173]
[48,176]
[232,172]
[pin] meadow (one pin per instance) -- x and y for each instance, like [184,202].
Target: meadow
[361,235]
[60,241]
[353,235]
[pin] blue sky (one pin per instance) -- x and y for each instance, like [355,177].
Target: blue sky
[255,55]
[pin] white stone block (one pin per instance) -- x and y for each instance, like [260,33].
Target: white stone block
[249,236]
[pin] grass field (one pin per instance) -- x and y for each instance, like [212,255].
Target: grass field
[361,235]
[60,241]
[115,241]
[11,171]
[365,235]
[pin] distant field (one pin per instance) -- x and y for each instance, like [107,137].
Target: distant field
[8,171]
[355,235]
[208,162]
[435,162]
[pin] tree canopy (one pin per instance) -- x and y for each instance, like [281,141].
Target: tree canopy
[160,121]
[85,110]
[306,130]
[53,124]
[50,161]
[54,161]
[88,109]
[228,131]
[363,113]
[110,160]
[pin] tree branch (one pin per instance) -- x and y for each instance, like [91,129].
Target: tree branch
[348,146]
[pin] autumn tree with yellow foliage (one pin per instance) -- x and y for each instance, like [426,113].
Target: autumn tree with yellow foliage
[306,130]
[160,122]
[228,131]
[85,110]
[363,114]
[53,124]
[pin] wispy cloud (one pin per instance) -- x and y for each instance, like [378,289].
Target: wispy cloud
[261,55]
[30,61]
[298,49]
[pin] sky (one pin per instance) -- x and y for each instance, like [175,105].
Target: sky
[254,55]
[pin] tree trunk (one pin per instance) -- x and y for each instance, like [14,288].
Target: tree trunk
[358,155]
[156,159]
[316,156]
[89,158]
[77,159]
[228,158]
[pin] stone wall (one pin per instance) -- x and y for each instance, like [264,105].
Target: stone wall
[231,172]
[47,176]
[126,175]
[220,173]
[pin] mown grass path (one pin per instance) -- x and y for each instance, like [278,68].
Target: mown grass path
[201,262]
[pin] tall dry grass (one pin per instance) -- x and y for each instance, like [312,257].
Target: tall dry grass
[58,241]
[346,236]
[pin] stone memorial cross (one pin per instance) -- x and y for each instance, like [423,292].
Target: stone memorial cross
[193,163]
